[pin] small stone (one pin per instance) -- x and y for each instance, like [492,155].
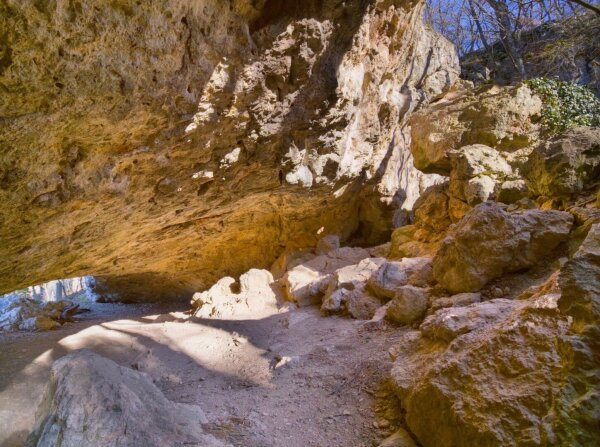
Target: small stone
[409,305]
[497,292]
[401,438]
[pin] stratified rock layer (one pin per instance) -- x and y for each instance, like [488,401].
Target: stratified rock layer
[162,145]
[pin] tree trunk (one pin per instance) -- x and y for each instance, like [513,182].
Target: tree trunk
[59,290]
[507,38]
[587,5]
[481,33]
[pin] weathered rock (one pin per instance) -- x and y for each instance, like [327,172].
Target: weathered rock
[288,260]
[512,380]
[203,130]
[431,210]
[447,324]
[459,300]
[400,438]
[405,244]
[478,159]
[490,242]
[327,244]
[306,283]
[346,292]
[40,323]
[512,191]
[500,117]
[476,170]
[392,275]
[565,165]
[408,305]
[90,400]
[457,209]
[479,189]
[253,297]
[580,280]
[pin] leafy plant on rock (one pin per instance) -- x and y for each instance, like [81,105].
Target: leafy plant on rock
[566,104]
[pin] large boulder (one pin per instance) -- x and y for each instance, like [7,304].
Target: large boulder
[392,275]
[490,241]
[449,323]
[90,400]
[346,292]
[253,297]
[510,378]
[503,118]
[476,169]
[566,164]
[409,305]
[306,283]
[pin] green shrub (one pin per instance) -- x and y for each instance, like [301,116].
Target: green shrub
[566,104]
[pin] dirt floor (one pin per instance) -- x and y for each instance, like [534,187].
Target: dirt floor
[289,378]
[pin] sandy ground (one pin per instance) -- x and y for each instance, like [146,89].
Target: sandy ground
[288,378]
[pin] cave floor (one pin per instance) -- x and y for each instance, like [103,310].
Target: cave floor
[292,378]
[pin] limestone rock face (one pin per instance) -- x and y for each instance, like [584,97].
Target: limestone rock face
[565,165]
[580,280]
[491,241]
[162,145]
[499,117]
[90,400]
[509,381]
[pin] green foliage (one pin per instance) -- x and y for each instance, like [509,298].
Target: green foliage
[565,104]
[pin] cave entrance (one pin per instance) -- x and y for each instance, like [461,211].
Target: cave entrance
[78,289]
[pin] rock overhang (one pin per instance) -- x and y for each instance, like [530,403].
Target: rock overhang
[99,176]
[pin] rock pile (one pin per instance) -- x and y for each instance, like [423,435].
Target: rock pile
[28,314]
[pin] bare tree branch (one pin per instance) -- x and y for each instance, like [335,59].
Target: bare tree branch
[587,5]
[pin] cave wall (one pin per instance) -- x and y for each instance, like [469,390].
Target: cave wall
[160,145]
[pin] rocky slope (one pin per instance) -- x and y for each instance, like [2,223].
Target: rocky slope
[565,49]
[161,145]
[502,296]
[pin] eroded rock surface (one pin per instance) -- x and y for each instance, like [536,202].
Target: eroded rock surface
[491,241]
[507,379]
[163,145]
[566,165]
